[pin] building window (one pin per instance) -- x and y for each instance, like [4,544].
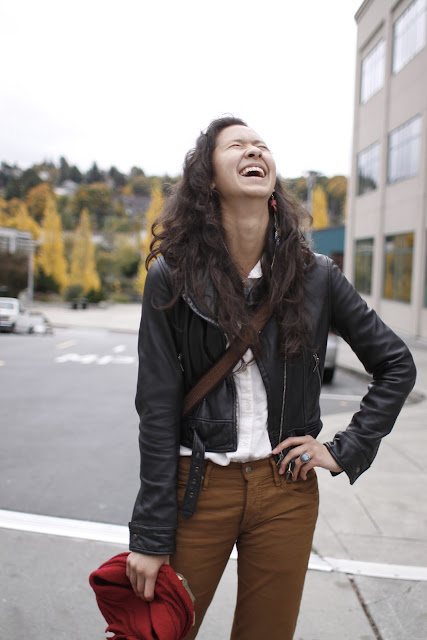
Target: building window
[409,34]
[368,164]
[372,76]
[398,252]
[404,145]
[364,260]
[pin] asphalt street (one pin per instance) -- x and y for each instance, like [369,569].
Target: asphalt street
[69,449]
[68,402]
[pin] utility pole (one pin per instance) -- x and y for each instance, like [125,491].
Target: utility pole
[311,181]
[31,274]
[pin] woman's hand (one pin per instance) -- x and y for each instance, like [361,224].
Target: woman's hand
[318,452]
[142,570]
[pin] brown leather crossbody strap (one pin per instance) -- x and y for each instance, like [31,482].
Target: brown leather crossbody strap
[224,366]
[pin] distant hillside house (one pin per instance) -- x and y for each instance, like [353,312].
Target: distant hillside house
[134,205]
[67,188]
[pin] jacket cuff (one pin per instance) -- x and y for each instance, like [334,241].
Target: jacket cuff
[351,467]
[160,541]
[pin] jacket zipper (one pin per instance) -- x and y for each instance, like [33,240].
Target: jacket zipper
[180,361]
[317,367]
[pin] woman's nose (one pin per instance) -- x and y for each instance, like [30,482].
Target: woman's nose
[253,152]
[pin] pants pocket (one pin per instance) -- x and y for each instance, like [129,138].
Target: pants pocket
[301,487]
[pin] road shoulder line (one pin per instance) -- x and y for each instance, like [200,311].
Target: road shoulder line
[117,534]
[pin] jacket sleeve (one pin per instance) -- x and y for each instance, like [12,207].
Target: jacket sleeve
[159,399]
[384,356]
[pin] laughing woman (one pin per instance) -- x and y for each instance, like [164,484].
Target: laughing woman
[240,467]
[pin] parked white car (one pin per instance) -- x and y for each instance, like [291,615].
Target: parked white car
[330,358]
[10,309]
[33,322]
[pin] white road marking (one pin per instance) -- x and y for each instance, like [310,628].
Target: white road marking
[93,358]
[120,348]
[65,345]
[65,527]
[88,358]
[100,532]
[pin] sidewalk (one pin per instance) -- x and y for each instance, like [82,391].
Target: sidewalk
[375,528]
[111,316]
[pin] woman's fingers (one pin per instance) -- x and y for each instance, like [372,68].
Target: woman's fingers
[299,445]
[319,456]
[142,570]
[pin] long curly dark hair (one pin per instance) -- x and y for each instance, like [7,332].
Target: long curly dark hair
[190,235]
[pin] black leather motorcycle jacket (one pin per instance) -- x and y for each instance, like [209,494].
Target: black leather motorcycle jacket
[177,346]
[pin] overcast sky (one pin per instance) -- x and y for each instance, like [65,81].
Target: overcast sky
[132,82]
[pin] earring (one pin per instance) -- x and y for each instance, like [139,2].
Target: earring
[273,204]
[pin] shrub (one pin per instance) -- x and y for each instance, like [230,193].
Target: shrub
[73,291]
[95,296]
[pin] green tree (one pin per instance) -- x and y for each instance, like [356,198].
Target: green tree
[141,186]
[75,174]
[83,269]
[13,188]
[5,172]
[118,178]
[94,175]
[127,258]
[29,179]
[13,272]
[136,171]
[51,260]
[97,199]
[64,170]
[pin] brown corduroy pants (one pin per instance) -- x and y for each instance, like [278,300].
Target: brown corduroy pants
[272,521]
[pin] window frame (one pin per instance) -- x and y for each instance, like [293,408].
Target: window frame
[398,265]
[377,69]
[396,153]
[407,35]
[368,153]
[361,258]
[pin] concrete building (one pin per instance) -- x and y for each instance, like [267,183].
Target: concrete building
[385,247]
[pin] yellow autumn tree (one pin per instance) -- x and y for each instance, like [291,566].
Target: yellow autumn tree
[83,267]
[51,256]
[154,210]
[19,218]
[320,208]
[4,217]
[36,200]
[336,190]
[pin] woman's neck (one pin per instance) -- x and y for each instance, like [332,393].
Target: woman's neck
[245,226]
